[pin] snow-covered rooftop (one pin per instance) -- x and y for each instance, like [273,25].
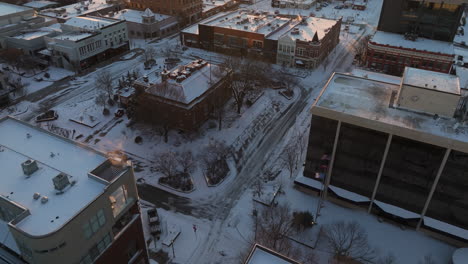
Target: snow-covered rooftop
[193,29]
[90,23]
[36,33]
[261,255]
[40,4]
[247,20]
[210,4]
[368,100]
[306,30]
[78,9]
[431,80]
[73,36]
[202,76]
[9,9]
[53,154]
[397,40]
[135,16]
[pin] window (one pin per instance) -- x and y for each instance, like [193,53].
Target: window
[118,200]
[96,250]
[258,44]
[93,225]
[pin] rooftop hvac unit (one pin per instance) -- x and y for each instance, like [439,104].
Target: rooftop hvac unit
[44,199]
[61,181]
[29,167]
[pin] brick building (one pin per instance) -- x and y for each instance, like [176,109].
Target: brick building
[184,97]
[251,33]
[391,53]
[188,11]
[61,202]
[395,147]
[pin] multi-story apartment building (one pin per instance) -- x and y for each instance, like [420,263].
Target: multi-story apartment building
[431,19]
[61,202]
[293,41]
[186,96]
[396,147]
[188,11]
[86,41]
[146,24]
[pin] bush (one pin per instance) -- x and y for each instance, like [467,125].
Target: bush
[46,75]
[302,220]
[105,111]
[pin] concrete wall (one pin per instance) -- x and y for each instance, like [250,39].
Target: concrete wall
[428,100]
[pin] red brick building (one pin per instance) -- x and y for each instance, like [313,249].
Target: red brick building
[188,11]
[185,97]
[391,53]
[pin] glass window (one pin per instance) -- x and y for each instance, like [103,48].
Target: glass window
[118,200]
[87,230]
[101,217]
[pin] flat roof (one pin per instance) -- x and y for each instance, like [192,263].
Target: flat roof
[53,154]
[90,23]
[40,32]
[398,40]
[248,20]
[73,36]
[263,255]
[77,9]
[135,16]
[366,102]
[9,9]
[431,80]
[305,31]
[40,4]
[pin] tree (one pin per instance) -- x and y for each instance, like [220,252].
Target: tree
[302,220]
[289,157]
[301,141]
[104,82]
[273,228]
[290,81]
[101,99]
[360,48]
[213,161]
[166,164]
[16,85]
[258,188]
[149,53]
[348,240]
[428,259]
[186,162]
[388,259]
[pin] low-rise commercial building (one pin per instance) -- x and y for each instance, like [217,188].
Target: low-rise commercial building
[41,4]
[146,24]
[61,202]
[187,11]
[84,8]
[396,147]
[86,41]
[391,53]
[186,96]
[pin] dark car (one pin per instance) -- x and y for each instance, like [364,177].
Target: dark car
[119,113]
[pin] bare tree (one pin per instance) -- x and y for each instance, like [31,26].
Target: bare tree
[213,160]
[239,91]
[428,259]
[149,54]
[388,259]
[348,240]
[301,141]
[101,99]
[17,85]
[289,157]
[166,164]
[104,82]
[360,48]
[187,162]
[258,187]
[290,81]
[273,228]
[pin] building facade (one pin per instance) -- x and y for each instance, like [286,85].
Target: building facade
[146,24]
[86,41]
[402,162]
[66,203]
[184,97]
[432,19]
[391,53]
[188,11]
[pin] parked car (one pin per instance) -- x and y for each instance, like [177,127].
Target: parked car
[339,7]
[119,113]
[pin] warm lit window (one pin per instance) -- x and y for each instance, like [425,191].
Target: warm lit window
[118,200]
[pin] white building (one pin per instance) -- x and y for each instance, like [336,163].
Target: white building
[86,41]
[146,24]
[14,19]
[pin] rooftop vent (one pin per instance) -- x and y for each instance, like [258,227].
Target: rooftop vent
[29,167]
[36,196]
[44,199]
[61,181]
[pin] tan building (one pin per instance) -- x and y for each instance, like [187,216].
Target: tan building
[188,11]
[396,147]
[61,202]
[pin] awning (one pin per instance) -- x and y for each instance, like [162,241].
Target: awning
[349,195]
[299,62]
[397,211]
[446,228]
